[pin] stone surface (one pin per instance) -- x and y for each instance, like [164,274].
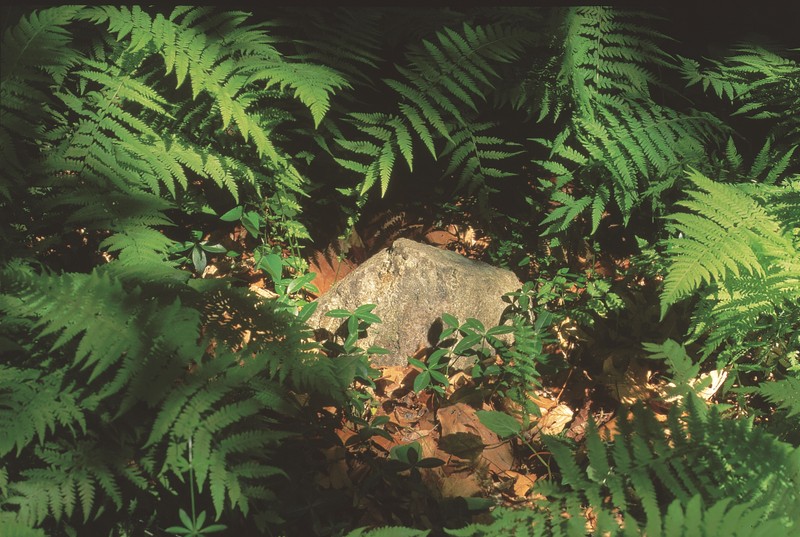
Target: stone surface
[412,284]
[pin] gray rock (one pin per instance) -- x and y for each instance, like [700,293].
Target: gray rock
[412,284]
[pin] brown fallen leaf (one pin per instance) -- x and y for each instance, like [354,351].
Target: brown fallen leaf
[522,483]
[337,476]
[329,269]
[553,421]
[462,484]
[628,384]
[440,238]
[461,418]
[462,445]
[394,378]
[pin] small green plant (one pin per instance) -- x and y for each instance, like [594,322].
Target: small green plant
[250,220]
[408,458]
[433,372]
[288,288]
[369,429]
[193,525]
[356,322]
[196,249]
[476,341]
[354,327]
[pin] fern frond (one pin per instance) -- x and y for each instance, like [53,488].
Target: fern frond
[33,405]
[82,474]
[617,130]
[312,84]
[348,41]
[785,393]
[34,54]
[478,156]
[734,235]
[458,66]
[762,82]
[388,531]
[648,468]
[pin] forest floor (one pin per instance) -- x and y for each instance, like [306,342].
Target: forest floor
[462,466]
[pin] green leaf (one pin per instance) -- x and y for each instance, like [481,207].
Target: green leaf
[473,324]
[338,313]
[449,320]
[307,311]
[499,423]
[251,222]
[214,528]
[273,264]
[233,215]
[179,530]
[198,258]
[214,248]
[467,342]
[352,325]
[365,308]
[302,282]
[433,359]
[408,453]
[417,363]
[439,377]
[478,503]
[184,516]
[498,330]
[422,381]
[370,318]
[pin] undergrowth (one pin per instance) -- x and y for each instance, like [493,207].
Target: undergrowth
[139,394]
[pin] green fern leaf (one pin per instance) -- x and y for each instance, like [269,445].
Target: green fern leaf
[728,237]
[785,393]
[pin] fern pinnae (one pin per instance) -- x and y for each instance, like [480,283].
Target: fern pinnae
[722,241]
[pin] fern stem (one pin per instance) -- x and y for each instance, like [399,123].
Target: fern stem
[191,482]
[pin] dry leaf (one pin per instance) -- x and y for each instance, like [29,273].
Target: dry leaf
[440,239]
[522,483]
[461,418]
[462,484]
[329,269]
[553,421]
[337,477]
[629,385]
[263,293]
